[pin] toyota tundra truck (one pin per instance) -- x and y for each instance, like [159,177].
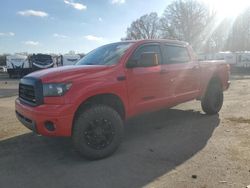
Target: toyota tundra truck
[90,100]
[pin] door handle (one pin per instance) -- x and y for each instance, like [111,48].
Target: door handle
[195,67]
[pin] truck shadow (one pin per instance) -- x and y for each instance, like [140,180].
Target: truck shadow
[154,144]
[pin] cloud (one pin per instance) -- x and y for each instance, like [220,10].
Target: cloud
[118,1]
[77,6]
[60,36]
[100,19]
[9,34]
[31,43]
[33,13]
[94,38]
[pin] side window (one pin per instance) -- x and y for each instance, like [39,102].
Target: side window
[175,54]
[147,48]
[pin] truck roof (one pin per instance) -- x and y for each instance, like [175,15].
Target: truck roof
[178,42]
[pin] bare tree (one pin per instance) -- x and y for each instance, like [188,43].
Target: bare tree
[239,38]
[194,22]
[187,20]
[217,36]
[146,27]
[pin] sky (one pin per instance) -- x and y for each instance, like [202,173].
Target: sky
[59,26]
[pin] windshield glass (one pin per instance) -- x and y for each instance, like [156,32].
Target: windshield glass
[105,55]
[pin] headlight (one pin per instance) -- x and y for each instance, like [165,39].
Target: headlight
[55,89]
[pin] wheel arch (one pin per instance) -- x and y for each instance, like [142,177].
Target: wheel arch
[214,79]
[109,99]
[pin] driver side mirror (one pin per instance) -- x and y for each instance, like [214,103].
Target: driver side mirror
[147,59]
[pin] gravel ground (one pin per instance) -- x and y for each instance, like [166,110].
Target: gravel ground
[180,147]
[8,87]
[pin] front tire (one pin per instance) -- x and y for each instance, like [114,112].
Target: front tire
[213,100]
[97,132]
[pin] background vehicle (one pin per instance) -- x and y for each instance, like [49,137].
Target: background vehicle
[18,65]
[3,69]
[229,57]
[90,101]
[235,59]
[41,61]
[243,60]
[68,59]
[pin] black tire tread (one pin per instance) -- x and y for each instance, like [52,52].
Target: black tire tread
[206,104]
[84,116]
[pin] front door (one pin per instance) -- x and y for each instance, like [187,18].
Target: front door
[143,83]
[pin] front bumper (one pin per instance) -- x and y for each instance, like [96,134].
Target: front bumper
[26,122]
[227,85]
[35,118]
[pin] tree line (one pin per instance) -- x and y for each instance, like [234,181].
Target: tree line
[194,22]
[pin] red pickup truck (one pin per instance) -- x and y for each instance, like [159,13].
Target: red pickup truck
[90,100]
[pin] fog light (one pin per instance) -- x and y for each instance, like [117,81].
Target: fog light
[49,126]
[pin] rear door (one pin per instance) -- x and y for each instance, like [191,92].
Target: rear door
[143,83]
[182,72]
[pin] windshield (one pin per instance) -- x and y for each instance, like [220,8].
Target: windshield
[105,55]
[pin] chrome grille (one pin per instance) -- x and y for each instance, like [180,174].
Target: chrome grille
[27,93]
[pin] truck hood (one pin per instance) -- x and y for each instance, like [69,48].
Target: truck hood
[67,73]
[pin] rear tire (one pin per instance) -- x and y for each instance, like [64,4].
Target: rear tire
[213,100]
[97,132]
